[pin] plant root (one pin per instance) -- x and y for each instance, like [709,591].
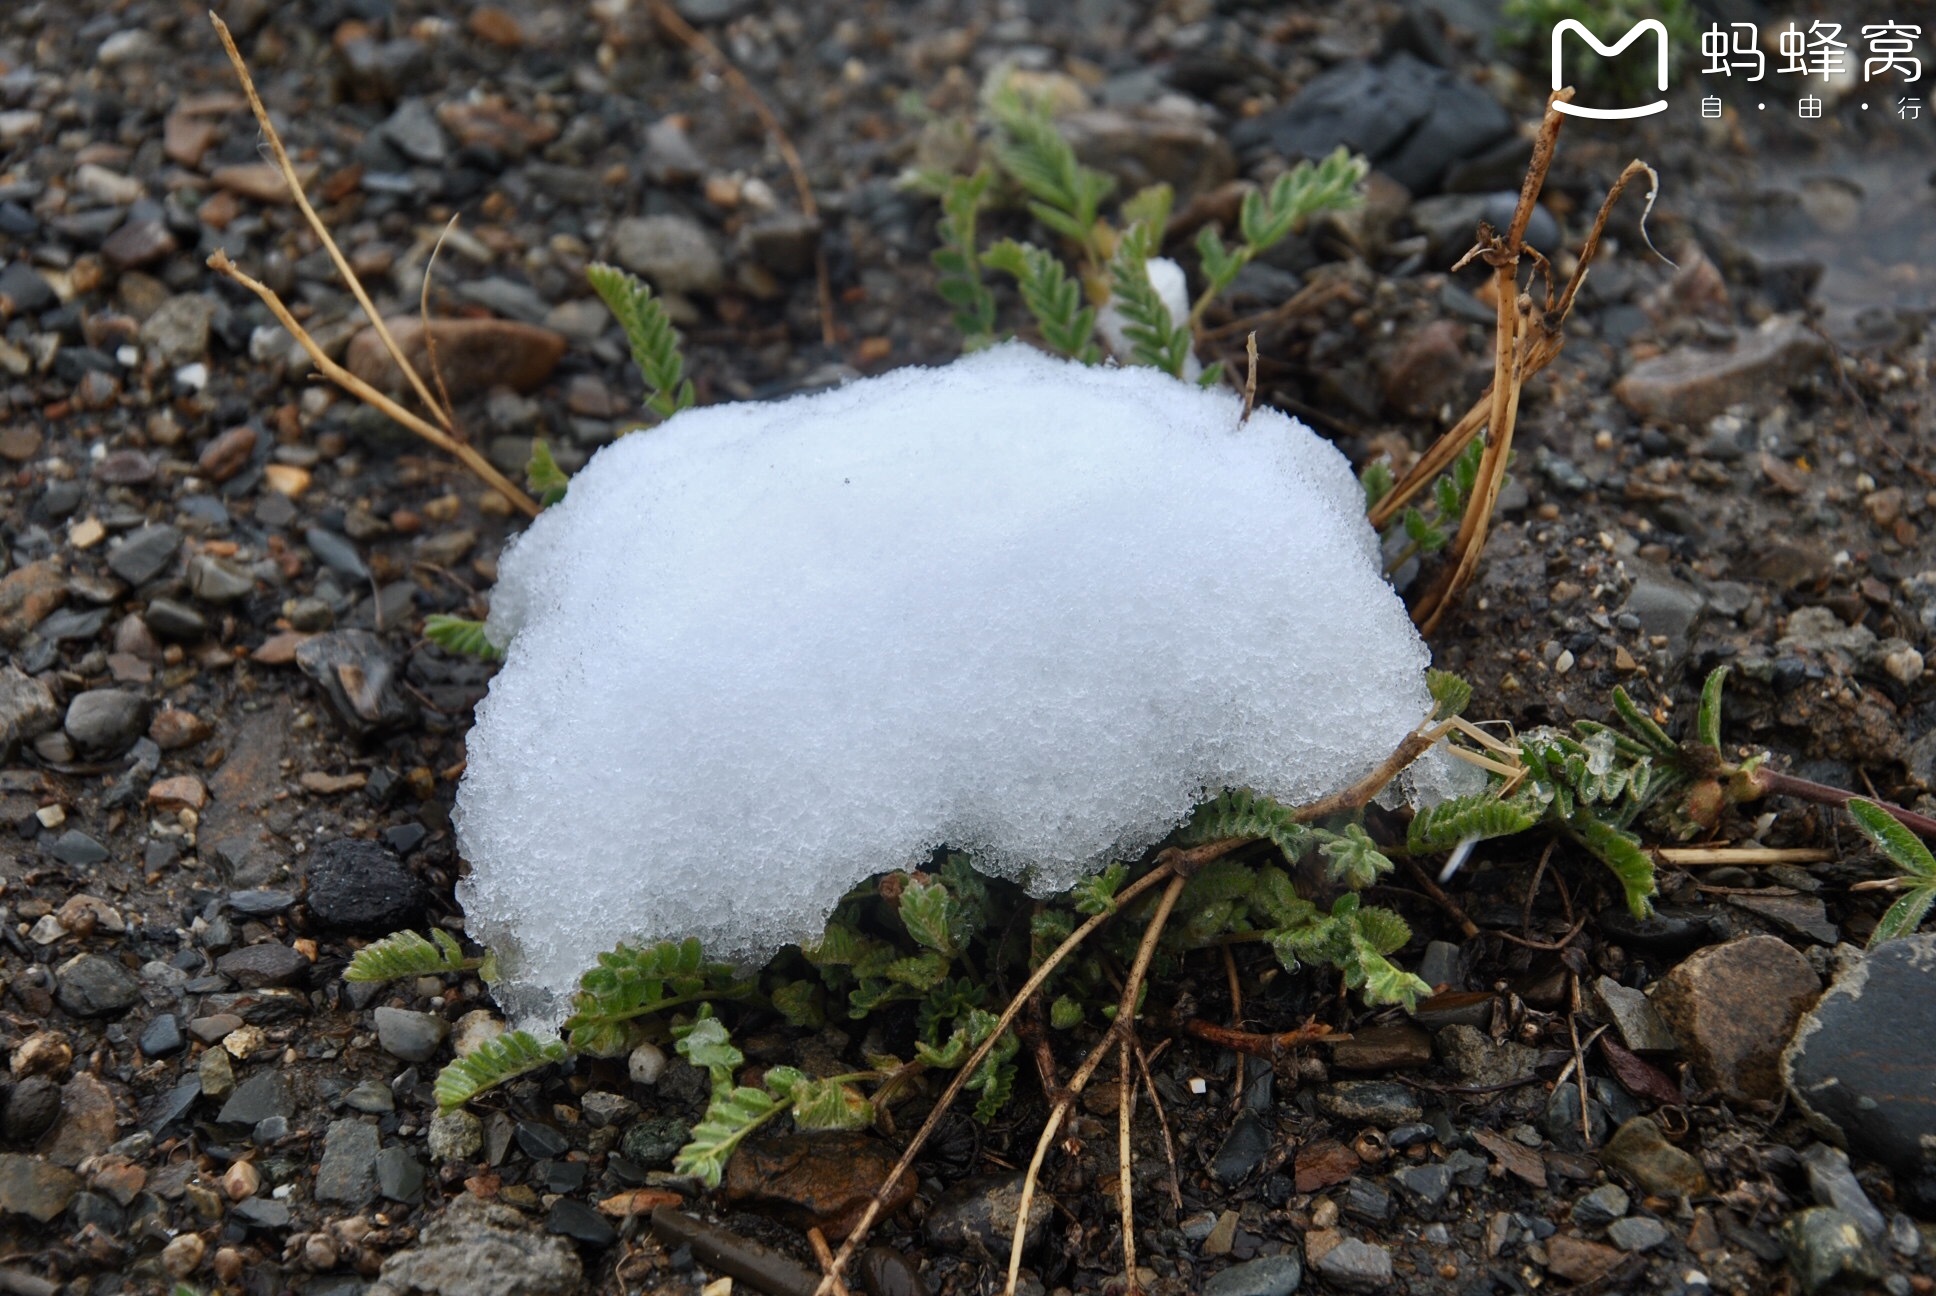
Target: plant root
[1259,1045]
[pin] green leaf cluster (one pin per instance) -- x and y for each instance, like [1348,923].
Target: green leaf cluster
[629,984]
[403,954]
[1424,528]
[512,1054]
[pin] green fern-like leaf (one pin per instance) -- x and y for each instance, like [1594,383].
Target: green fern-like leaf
[1067,322]
[402,954]
[1065,1013]
[505,1057]
[1641,725]
[957,259]
[1475,818]
[1217,883]
[629,983]
[648,329]
[455,634]
[1240,812]
[734,1113]
[1621,852]
[1908,853]
[1155,339]
[547,480]
[1333,184]
[800,1002]
[1096,894]
[1067,195]
[1275,903]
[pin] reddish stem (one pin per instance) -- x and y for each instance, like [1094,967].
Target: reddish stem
[1767,782]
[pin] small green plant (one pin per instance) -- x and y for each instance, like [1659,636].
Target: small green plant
[462,636]
[405,953]
[1903,849]
[1423,529]
[1111,259]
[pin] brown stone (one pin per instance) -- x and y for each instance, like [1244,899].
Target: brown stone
[1319,1165]
[182,792]
[1427,370]
[496,26]
[493,125]
[1639,1150]
[173,728]
[261,181]
[1383,1048]
[227,455]
[819,1181]
[19,442]
[28,595]
[474,355]
[280,649]
[1733,1007]
[185,138]
[1690,385]
[87,1124]
[1578,1260]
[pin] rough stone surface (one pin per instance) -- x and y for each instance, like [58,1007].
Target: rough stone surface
[1863,1061]
[1633,1017]
[27,709]
[94,985]
[361,886]
[819,1181]
[1358,1265]
[1691,385]
[106,722]
[347,1175]
[1826,1249]
[1733,1007]
[1639,1149]
[412,1036]
[35,1188]
[479,1248]
[673,252]
[1276,1275]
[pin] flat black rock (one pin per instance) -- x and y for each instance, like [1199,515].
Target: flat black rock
[579,1222]
[1243,1150]
[361,886]
[1863,1061]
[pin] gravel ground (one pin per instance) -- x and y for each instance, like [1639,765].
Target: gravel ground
[227,755]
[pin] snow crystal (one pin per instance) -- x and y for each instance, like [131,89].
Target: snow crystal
[1023,607]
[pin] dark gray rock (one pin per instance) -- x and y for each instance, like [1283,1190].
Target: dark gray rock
[362,887]
[1357,1265]
[263,1213]
[347,1174]
[413,131]
[32,1108]
[1276,1275]
[412,1036]
[1826,1248]
[76,847]
[571,1218]
[1477,1060]
[1834,1184]
[94,985]
[978,1215]
[106,722]
[162,1037]
[145,553]
[1243,1150]
[654,1141]
[1426,1185]
[359,677]
[1863,1062]
[337,553]
[23,291]
[174,619]
[257,1099]
[674,253]
[214,581]
[1370,1102]
[269,964]
[399,1175]
[1560,1120]
[1637,1233]
[1601,1207]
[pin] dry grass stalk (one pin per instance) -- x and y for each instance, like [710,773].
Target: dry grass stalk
[443,433]
[668,17]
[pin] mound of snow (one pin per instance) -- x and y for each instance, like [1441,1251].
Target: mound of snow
[1028,608]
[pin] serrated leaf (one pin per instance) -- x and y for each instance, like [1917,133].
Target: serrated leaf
[800,1003]
[1352,857]
[455,634]
[1096,894]
[829,1105]
[547,480]
[1065,1013]
[1450,694]
[929,912]
[733,1113]
[1641,725]
[1240,812]
[1377,481]
[404,953]
[1621,852]
[706,1043]
[491,1063]
[1384,930]
[1442,826]
[1055,299]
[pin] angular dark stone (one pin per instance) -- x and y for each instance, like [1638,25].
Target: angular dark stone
[1243,1150]
[32,1108]
[347,1173]
[361,887]
[144,554]
[1862,1060]
[359,677]
[162,1037]
[257,1099]
[269,964]
[574,1219]
[94,985]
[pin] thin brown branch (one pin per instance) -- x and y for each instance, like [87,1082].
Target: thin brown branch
[1257,1044]
[824,1254]
[1236,1016]
[1766,782]
[1360,794]
[309,213]
[1430,886]
[858,1237]
[447,411]
[1125,1194]
[1123,1026]
[1162,1123]
[1250,377]
[349,382]
[669,18]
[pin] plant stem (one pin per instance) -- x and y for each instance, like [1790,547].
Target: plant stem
[1763,781]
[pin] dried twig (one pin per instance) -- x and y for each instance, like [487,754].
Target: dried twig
[669,18]
[1162,1121]
[824,1254]
[349,382]
[1125,1194]
[1260,1045]
[1250,378]
[1739,856]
